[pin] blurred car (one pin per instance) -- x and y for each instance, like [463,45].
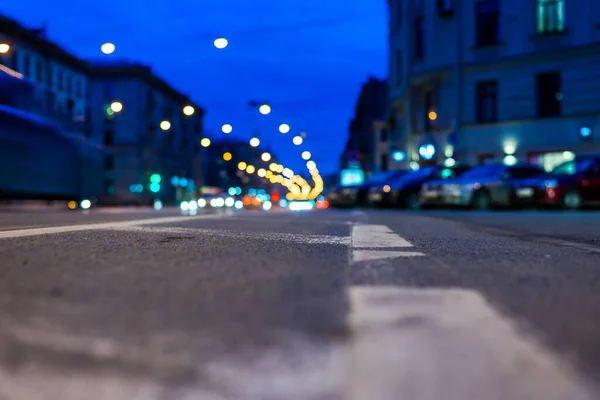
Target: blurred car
[404,191]
[374,189]
[342,196]
[487,186]
[431,191]
[357,195]
[211,200]
[571,185]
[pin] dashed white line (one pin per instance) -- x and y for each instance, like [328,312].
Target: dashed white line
[104,225]
[426,344]
[372,255]
[376,236]
[369,242]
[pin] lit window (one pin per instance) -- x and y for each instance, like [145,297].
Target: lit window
[550,16]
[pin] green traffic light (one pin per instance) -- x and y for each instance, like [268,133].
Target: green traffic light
[154,187]
[155,178]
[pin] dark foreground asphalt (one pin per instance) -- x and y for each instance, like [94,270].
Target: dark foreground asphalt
[255,305]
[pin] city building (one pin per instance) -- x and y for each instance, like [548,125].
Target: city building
[38,76]
[222,165]
[371,106]
[473,81]
[382,151]
[151,133]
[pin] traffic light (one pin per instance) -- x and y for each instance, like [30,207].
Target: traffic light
[155,178]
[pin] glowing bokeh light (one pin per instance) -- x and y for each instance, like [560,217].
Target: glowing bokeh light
[226,128]
[265,109]
[284,128]
[108,48]
[188,110]
[165,125]
[221,43]
[116,106]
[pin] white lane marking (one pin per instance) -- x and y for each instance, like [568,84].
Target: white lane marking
[376,236]
[295,368]
[102,225]
[270,236]
[368,242]
[36,383]
[372,255]
[427,344]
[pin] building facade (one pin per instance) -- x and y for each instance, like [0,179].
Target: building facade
[150,132]
[479,80]
[371,105]
[40,77]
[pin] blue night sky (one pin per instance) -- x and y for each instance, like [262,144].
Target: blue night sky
[307,58]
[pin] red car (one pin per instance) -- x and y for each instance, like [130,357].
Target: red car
[572,185]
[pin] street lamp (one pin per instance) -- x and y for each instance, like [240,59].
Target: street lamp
[227,128]
[306,155]
[188,110]
[250,169]
[297,140]
[264,109]
[265,157]
[311,165]
[205,142]
[107,48]
[227,156]
[254,142]
[165,125]
[221,43]
[116,106]
[4,48]
[284,128]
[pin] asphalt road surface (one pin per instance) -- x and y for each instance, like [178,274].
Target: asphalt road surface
[366,305]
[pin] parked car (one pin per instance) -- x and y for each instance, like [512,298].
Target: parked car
[373,193]
[357,195]
[487,186]
[342,196]
[404,191]
[571,185]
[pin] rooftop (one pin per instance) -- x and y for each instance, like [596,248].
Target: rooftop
[124,68]
[36,39]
